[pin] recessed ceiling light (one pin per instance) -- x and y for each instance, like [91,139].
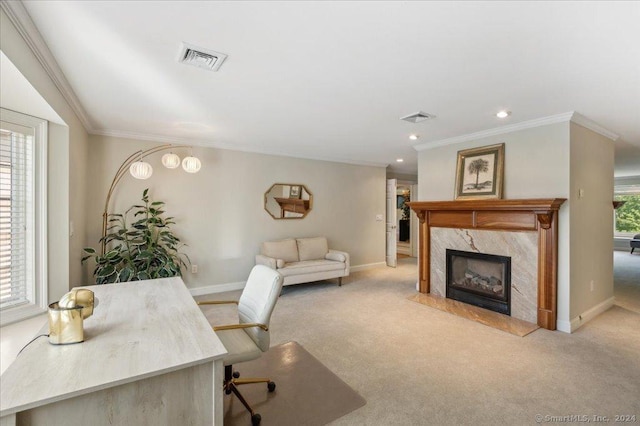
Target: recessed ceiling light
[503,114]
[399,160]
[414,137]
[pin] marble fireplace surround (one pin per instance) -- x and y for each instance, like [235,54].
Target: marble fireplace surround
[521,247]
[526,230]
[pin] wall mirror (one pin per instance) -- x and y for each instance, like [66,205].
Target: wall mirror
[288,201]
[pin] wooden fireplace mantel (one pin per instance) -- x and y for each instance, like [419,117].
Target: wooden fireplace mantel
[535,215]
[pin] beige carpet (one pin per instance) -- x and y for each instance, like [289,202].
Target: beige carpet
[307,393]
[420,366]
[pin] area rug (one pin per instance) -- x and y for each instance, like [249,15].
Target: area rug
[307,393]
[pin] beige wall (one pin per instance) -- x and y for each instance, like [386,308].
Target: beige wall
[536,166]
[219,211]
[540,152]
[67,171]
[592,161]
[402,176]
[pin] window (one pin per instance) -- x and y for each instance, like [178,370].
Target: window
[23,255]
[627,217]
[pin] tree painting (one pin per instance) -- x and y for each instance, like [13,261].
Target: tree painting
[479,172]
[478,166]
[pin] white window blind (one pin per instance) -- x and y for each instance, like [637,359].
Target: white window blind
[22,216]
[16,216]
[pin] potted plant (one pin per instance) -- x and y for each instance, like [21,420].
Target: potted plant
[145,248]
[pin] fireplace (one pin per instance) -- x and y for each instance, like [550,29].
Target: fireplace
[537,218]
[479,279]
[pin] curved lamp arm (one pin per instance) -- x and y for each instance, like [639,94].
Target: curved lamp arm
[119,174]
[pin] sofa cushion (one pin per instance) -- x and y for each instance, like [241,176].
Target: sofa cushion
[309,267]
[286,250]
[312,248]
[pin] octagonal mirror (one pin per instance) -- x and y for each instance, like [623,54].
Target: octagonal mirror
[288,201]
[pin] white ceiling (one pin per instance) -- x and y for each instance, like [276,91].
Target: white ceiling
[330,80]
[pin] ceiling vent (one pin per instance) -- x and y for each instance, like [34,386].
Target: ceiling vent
[417,117]
[200,57]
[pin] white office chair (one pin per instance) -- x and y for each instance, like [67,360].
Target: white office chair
[248,339]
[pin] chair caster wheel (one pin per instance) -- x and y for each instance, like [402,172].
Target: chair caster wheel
[255,419]
[271,386]
[236,374]
[227,391]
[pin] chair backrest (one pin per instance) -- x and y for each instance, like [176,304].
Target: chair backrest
[257,301]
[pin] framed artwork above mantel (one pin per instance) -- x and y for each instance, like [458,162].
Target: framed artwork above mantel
[479,173]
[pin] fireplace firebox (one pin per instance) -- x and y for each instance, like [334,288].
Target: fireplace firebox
[479,279]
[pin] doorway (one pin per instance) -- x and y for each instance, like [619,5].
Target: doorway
[403,228]
[401,222]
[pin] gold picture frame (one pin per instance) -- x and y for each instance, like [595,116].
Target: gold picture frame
[480,172]
[295,191]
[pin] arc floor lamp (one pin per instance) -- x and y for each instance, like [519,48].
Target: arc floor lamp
[140,169]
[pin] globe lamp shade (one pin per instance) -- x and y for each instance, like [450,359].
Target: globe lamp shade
[170,160]
[191,164]
[141,170]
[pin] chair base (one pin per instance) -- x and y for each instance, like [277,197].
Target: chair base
[231,383]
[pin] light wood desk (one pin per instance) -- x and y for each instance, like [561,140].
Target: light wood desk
[149,357]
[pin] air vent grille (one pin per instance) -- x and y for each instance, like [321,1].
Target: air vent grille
[200,57]
[417,117]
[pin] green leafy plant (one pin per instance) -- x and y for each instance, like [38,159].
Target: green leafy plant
[141,250]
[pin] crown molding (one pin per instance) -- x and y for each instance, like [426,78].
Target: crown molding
[144,137]
[230,147]
[559,118]
[593,126]
[20,18]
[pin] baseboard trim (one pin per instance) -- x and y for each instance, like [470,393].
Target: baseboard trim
[217,288]
[367,266]
[585,317]
[221,288]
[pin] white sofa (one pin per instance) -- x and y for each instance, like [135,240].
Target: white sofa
[304,260]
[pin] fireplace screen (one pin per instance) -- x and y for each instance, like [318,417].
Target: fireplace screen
[479,279]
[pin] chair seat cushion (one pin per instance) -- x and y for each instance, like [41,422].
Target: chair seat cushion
[239,345]
[310,266]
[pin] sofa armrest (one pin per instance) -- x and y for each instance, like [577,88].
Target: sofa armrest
[271,262]
[266,261]
[339,256]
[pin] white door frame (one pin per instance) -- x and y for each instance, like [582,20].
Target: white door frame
[391,220]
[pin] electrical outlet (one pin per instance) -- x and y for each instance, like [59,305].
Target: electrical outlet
[581,193]
[592,285]
[194,269]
